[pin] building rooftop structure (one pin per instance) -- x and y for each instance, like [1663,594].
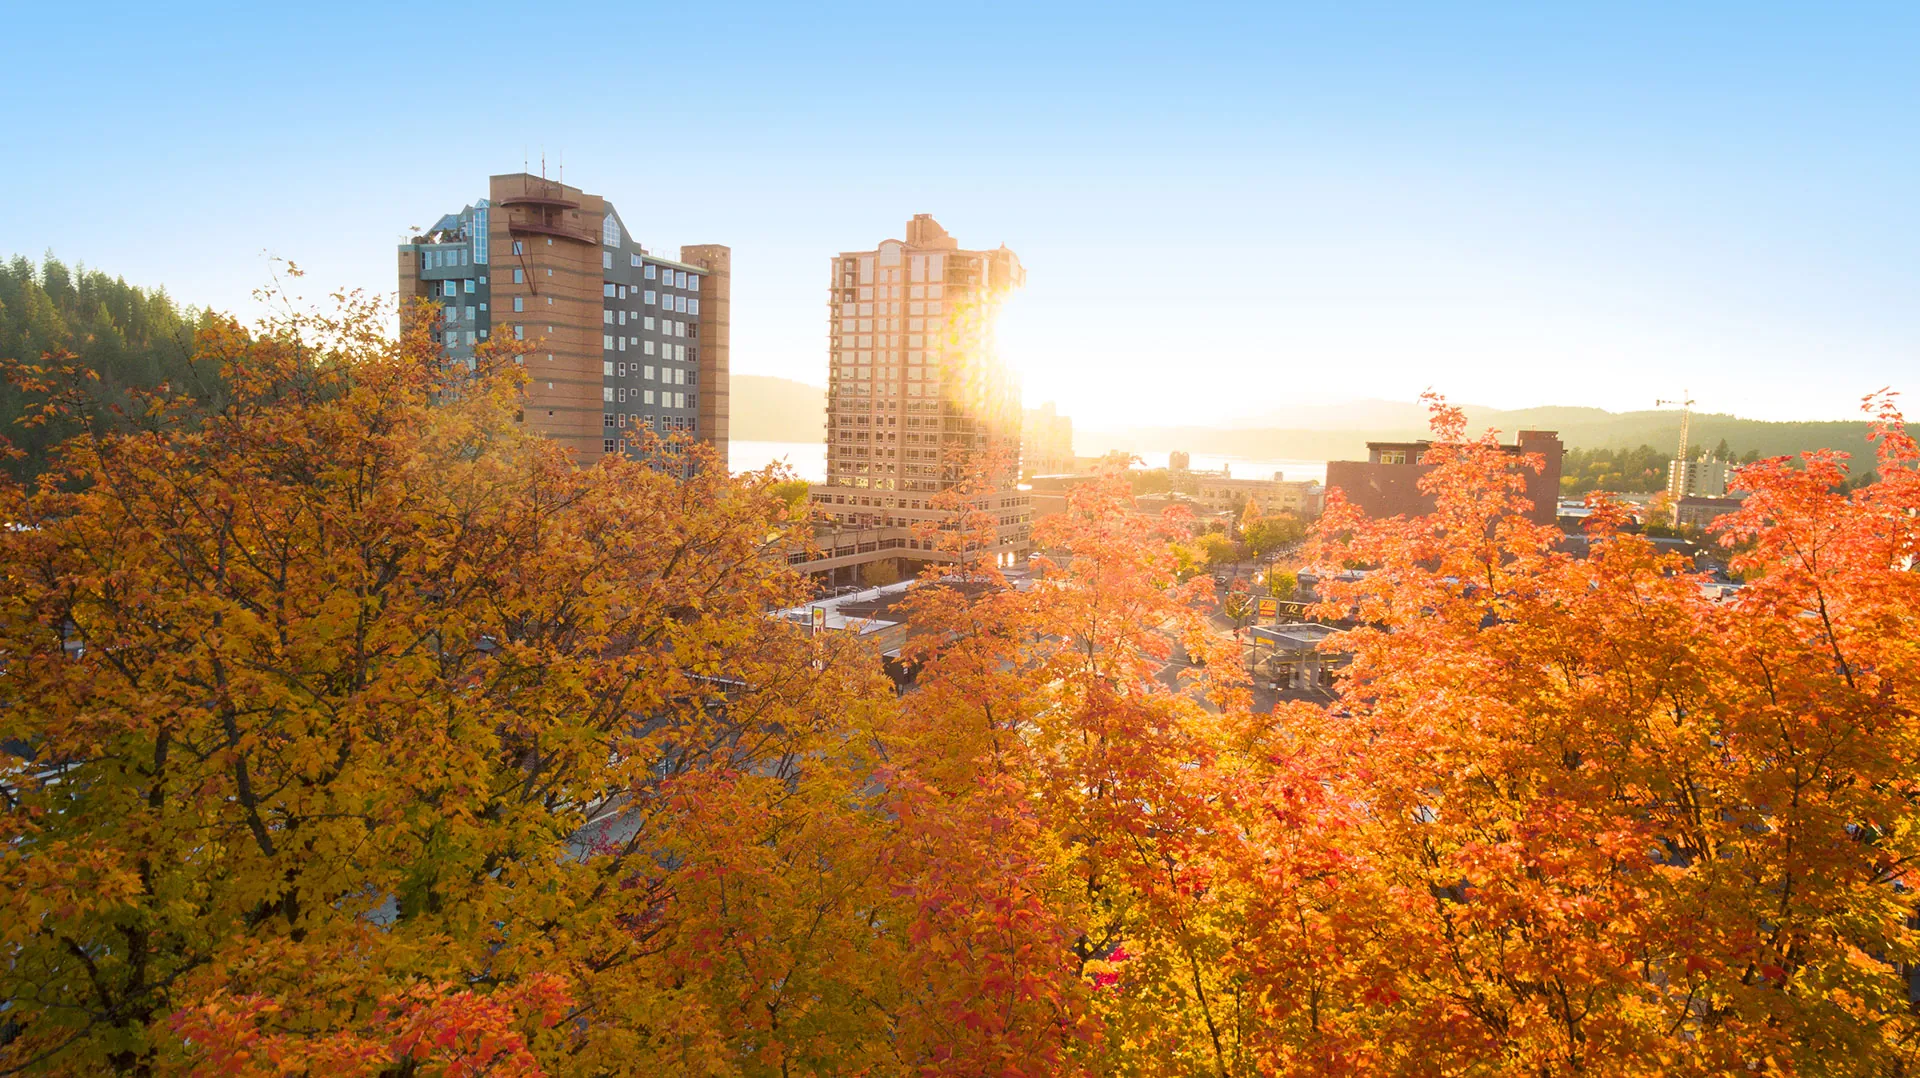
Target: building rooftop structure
[620,339]
[1387,483]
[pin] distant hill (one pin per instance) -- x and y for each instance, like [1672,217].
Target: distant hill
[1341,432]
[767,409]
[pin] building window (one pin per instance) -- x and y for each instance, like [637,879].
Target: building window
[519,303]
[607,446]
[606,259]
[680,279]
[610,235]
[469,286]
[693,282]
[648,274]
[649,297]
[516,247]
[519,333]
[606,419]
[646,397]
[646,347]
[606,342]
[518,277]
[636,260]
[607,290]
[606,393]
[606,367]
[1393,456]
[693,305]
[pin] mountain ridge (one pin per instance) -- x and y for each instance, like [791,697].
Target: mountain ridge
[1340,432]
[766,408]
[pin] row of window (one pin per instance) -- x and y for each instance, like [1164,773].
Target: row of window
[669,326]
[915,326]
[932,306]
[668,278]
[922,267]
[445,259]
[620,394]
[676,352]
[931,291]
[690,424]
[679,304]
[851,356]
[669,375]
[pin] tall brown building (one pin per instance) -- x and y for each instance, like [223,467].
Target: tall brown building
[624,337]
[917,398]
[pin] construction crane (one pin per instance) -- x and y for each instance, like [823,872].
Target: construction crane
[1686,415]
[1677,477]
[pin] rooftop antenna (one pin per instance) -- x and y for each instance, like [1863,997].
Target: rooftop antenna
[562,181]
[1686,415]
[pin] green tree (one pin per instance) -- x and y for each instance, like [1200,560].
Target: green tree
[131,341]
[1270,533]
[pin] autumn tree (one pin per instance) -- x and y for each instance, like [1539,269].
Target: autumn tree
[350,728]
[1604,825]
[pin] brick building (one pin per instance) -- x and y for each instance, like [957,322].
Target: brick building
[1387,483]
[624,337]
[1221,493]
[917,399]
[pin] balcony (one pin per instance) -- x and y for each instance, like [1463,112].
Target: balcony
[531,199]
[548,222]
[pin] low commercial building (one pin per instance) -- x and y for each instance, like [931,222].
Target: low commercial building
[1698,512]
[1223,493]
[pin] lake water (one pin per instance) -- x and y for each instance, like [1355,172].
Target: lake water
[1245,467]
[809,461]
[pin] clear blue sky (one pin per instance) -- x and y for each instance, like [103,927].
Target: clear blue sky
[1223,209]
